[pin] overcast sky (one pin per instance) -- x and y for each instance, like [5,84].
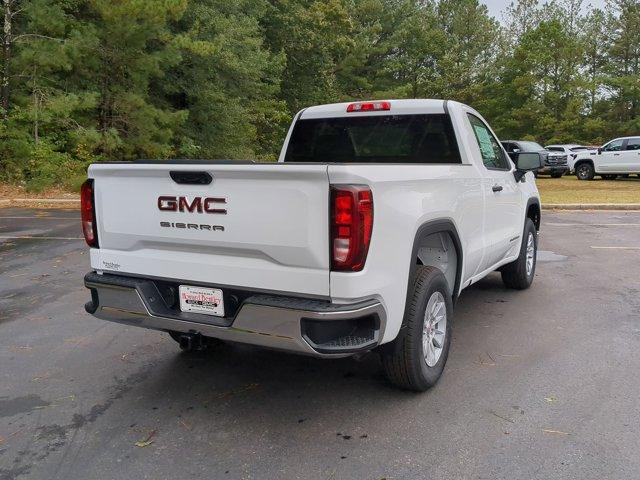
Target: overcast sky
[497,6]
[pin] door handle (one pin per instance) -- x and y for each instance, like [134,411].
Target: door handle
[616,154]
[496,188]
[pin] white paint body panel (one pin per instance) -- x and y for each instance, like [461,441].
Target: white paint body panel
[275,235]
[277,230]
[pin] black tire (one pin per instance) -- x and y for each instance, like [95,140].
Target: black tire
[585,171]
[514,274]
[609,177]
[557,175]
[404,360]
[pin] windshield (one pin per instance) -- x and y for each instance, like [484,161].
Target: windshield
[530,146]
[579,149]
[374,139]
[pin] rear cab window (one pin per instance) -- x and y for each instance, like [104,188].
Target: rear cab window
[420,139]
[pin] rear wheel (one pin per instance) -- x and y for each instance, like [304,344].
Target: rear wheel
[585,171]
[519,273]
[416,359]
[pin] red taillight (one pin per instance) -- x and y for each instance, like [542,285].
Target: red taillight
[352,223]
[88,214]
[369,106]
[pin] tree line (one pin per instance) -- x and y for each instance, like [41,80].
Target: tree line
[95,80]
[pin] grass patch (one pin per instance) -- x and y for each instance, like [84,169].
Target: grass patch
[569,189]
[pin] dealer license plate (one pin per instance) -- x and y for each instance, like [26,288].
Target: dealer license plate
[208,301]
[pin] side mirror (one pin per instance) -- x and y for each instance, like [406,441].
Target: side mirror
[528,162]
[599,150]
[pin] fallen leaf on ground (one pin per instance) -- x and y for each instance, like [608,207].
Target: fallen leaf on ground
[18,348]
[557,432]
[485,363]
[147,441]
[551,399]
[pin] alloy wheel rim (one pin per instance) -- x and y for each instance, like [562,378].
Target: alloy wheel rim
[583,171]
[531,254]
[434,329]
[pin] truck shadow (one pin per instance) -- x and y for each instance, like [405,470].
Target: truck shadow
[251,385]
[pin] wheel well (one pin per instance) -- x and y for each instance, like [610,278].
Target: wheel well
[439,250]
[586,160]
[533,212]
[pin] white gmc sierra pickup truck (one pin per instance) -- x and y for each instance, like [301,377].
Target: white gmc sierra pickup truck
[361,237]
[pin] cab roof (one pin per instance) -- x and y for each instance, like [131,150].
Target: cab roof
[397,107]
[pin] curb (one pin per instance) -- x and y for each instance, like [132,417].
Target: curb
[591,206]
[39,200]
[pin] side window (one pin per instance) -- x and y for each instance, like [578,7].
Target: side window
[633,144]
[614,146]
[492,154]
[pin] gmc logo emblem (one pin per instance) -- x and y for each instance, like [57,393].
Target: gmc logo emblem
[198,204]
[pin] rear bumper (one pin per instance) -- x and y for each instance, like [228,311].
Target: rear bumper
[311,327]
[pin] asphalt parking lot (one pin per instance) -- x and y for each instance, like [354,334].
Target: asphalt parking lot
[541,384]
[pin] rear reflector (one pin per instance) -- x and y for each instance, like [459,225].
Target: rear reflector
[369,106]
[88,214]
[351,226]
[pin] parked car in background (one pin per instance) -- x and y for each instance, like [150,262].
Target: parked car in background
[555,163]
[620,156]
[570,150]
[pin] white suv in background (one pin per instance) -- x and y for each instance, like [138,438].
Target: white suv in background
[620,156]
[570,150]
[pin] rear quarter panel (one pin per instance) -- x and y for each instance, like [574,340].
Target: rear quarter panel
[405,198]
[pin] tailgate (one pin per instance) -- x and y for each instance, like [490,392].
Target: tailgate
[259,226]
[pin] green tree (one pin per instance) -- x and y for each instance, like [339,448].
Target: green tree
[623,66]
[227,80]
